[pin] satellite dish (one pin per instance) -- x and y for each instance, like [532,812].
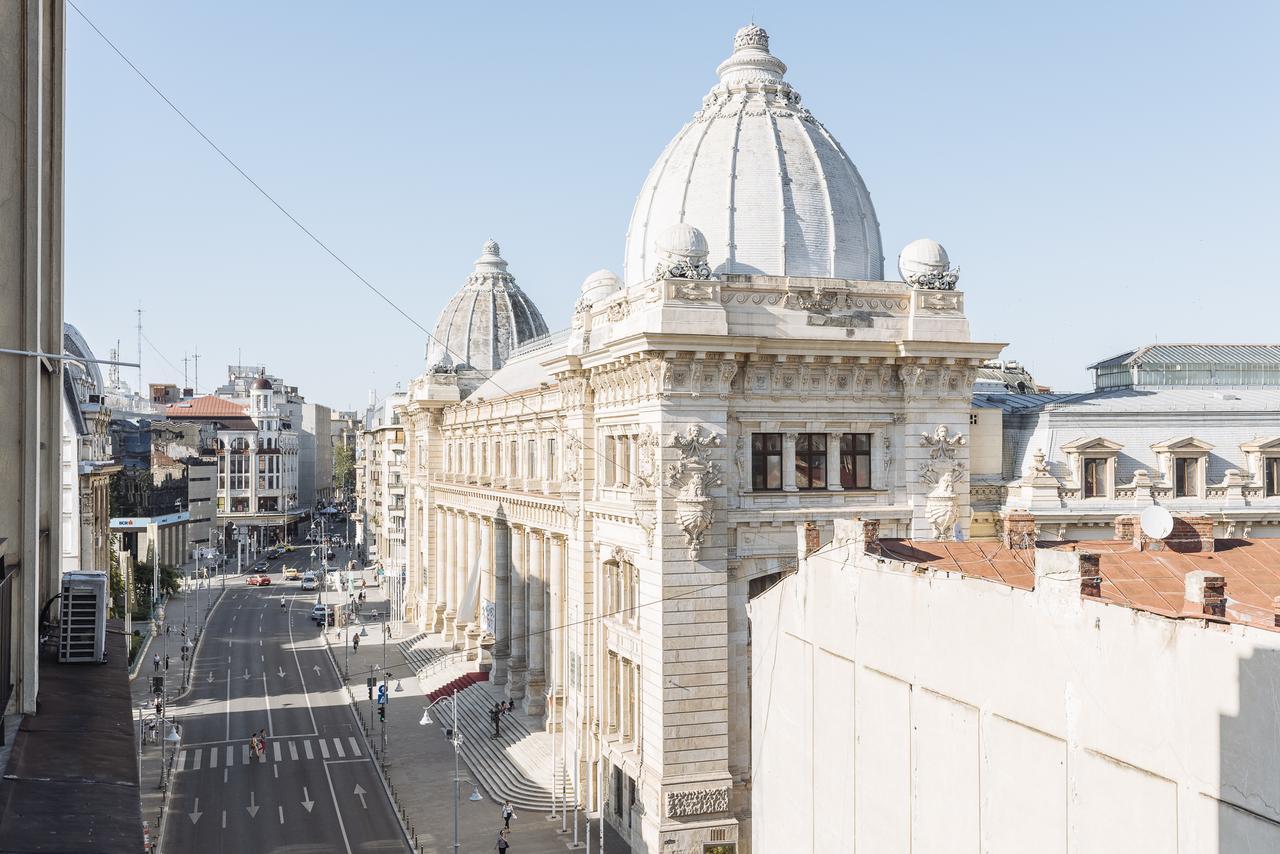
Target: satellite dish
[1156,522]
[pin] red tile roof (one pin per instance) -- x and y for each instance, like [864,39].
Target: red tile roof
[1146,580]
[208,406]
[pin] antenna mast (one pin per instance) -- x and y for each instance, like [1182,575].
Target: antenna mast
[195,389]
[139,389]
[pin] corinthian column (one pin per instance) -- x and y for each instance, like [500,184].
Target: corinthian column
[451,578]
[439,534]
[536,683]
[502,602]
[464,584]
[556,620]
[519,623]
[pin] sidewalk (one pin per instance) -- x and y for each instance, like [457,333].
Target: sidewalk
[180,607]
[419,761]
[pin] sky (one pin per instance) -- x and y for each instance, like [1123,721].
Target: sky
[1104,174]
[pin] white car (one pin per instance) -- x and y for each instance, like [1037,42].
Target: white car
[309,581]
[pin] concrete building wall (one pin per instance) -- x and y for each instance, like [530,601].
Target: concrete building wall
[315,455]
[31,105]
[897,709]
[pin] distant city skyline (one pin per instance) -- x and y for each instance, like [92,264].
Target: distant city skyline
[1103,175]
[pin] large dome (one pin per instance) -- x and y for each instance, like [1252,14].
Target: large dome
[485,320]
[771,189]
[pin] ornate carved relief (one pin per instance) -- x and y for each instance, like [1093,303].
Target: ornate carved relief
[689,269]
[618,310]
[690,802]
[942,445]
[940,507]
[936,280]
[647,454]
[695,288]
[692,476]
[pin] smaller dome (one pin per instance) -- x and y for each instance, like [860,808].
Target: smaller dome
[924,263]
[599,285]
[682,241]
[261,384]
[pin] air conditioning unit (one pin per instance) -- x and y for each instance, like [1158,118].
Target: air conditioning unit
[82,635]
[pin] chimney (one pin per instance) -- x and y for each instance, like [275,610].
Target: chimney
[1206,594]
[1019,530]
[862,535]
[1275,606]
[808,536]
[1090,575]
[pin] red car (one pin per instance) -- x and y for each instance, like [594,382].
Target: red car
[258,580]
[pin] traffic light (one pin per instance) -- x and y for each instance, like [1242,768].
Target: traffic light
[157,684]
[382,713]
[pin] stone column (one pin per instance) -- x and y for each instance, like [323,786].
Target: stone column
[502,602]
[536,682]
[440,534]
[556,621]
[833,462]
[789,462]
[464,584]
[519,621]
[451,577]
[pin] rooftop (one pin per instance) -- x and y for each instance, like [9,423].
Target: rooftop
[1151,581]
[208,406]
[1196,354]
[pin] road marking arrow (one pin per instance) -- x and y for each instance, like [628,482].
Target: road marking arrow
[360,793]
[195,813]
[210,679]
[253,806]
[281,674]
[246,673]
[316,668]
[307,803]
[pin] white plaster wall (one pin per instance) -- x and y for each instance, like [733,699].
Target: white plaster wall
[897,711]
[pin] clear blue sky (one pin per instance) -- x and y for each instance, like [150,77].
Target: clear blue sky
[1105,174]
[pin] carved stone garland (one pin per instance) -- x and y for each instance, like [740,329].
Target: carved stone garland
[689,802]
[692,476]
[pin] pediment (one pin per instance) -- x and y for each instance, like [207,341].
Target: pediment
[1093,445]
[1261,444]
[1182,443]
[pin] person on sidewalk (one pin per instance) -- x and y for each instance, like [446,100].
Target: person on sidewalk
[502,843]
[155,662]
[496,716]
[355,643]
[508,813]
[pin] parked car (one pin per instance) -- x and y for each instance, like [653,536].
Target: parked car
[322,614]
[310,582]
[258,580]
[291,573]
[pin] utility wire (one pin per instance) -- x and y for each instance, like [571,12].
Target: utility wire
[161,355]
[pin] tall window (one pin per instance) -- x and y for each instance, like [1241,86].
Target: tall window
[1185,481]
[1095,477]
[552,469]
[531,464]
[855,460]
[811,461]
[1271,485]
[514,462]
[766,461]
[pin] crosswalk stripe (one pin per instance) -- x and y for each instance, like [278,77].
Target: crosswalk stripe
[276,745]
[337,745]
[182,759]
[244,754]
[324,748]
[293,750]
[306,746]
[197,757]
[355,746]
[231,755]
[213,757]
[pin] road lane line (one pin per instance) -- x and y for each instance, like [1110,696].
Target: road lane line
[324,748]
[276,746]
[281,814]
[197,757]
[228,701]
[266,701]
[244,754]
[224,819]
[306,745]
[231,756]
[213,757]
[276,770]
[293,750]
[337,745]
[337,810]
[182,760]
[355,745]
[224,775]
[306,695]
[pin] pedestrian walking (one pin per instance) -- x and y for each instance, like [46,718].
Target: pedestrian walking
[262,745]
[503,844]
[508,813]
[155,662]
[496,716]
[355,643]
[166,661]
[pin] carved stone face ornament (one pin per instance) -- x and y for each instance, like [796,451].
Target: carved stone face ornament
[692,476]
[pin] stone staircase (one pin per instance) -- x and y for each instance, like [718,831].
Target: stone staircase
[420,656]
[516,766]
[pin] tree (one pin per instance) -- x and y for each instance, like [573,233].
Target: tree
[344,467]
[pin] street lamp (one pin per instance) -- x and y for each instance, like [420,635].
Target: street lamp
[172,740]
[456,739]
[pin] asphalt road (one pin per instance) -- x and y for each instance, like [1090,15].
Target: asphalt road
[259,667]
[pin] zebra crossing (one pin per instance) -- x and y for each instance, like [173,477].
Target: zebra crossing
[278,750]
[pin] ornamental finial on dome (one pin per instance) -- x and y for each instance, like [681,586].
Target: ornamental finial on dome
[491,247]
[490,261]
[752,35]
